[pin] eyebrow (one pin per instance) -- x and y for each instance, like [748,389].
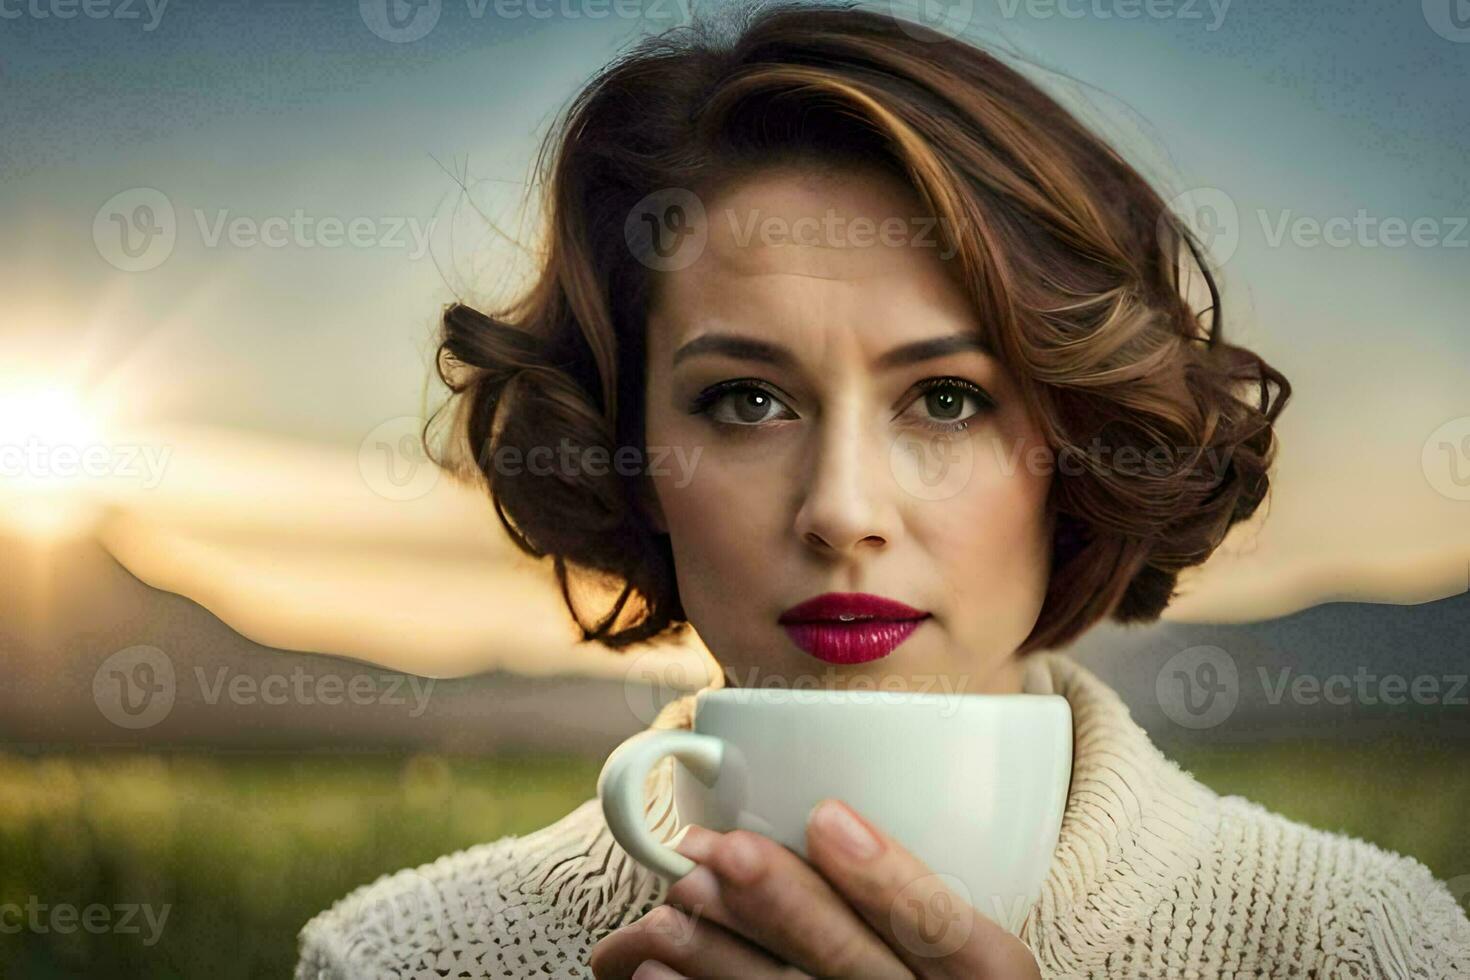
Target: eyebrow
[753,349]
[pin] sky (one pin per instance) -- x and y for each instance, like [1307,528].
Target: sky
[1301,132]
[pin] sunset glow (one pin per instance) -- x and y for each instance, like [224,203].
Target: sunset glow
[51,454]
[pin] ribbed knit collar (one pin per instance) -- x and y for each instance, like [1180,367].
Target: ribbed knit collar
[1133,823]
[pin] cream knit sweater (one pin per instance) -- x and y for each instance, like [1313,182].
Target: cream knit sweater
[1154,876]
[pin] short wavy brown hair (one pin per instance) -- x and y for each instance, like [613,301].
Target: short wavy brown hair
[1073,261]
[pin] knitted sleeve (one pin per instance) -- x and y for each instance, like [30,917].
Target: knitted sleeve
[1414,925]
[513,909]
[517,908]
[489,912]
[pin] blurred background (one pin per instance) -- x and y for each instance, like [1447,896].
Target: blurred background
[257,650]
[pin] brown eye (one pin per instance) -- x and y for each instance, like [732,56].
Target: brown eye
[740,403]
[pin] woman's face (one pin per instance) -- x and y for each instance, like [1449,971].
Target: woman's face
[868,445]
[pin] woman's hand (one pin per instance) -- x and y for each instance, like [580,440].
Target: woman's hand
[865,907]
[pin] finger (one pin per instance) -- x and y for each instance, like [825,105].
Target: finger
[766,893]
[698,892]
[691,946]
[915,911]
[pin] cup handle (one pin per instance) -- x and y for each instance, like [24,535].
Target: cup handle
[620,786]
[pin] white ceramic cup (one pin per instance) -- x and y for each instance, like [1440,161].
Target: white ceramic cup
[974,785]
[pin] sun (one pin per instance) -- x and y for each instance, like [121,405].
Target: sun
[51,453]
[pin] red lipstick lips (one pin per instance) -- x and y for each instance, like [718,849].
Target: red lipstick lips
[850,627]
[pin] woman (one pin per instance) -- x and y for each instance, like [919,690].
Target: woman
[916,333]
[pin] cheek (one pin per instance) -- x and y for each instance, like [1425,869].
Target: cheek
[994,537]
[720,498]
[719,519]
[690,511]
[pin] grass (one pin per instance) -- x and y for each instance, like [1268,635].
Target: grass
[244,849]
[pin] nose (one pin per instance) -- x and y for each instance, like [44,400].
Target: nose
[846,502]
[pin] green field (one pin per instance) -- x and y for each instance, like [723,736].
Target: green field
[244,849]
